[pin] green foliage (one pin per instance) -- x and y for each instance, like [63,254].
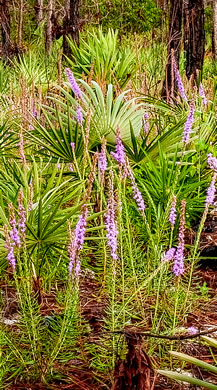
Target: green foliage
[127,16]
[99,55]
[196,362]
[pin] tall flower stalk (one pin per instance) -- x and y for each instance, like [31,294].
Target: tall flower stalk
[178,267]
[110,219]
[73,83]
[179,82]
[188,125]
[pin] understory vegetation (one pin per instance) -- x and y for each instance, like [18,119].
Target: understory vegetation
[105,190]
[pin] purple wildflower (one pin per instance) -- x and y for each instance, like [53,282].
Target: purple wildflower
[212,161]
[71,167]
[178,267]
[136,193]
[119,154]
[172,216]
[192,330]
[169,255]
[79,115]
[202,94]
[179,81]
[75,88]
[146,123]
[111,224]
[211,191]
[9,246]
[72,144]
[77,240]
[22,214]
[14,234]
[188,125]
[102,162]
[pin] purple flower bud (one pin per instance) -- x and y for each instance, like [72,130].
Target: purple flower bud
[119,154]
[79,115]
[179,81]
[192,330]
[110,221]
[76,242]
[14,234]
[169,255]
[178,267]
[212,161]
[9,246]
[211,192]
[202,94]
[102,163]
[172,216]
[188,125]
[136,193]
[75,88]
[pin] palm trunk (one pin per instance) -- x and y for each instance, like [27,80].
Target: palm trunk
[194,37]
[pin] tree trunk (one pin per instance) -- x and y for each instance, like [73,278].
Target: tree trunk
[71,23]
[49,35]
[175,35]
[39,11]
[5,28]
[214,29]
[194,37]
[20,24]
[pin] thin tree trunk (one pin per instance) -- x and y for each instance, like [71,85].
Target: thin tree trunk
[71,23]
[49,35]
[194,37]
[175,36]
[214,29]
[39,11]
[5,28]
[20,24]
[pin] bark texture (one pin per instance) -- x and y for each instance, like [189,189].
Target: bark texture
[39,11]
[215,29]
[5,28]
[49,32]
[194,37]
[175,36]
[71,23]
[20,23]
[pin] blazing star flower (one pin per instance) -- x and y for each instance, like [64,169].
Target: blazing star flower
[179,81]
[202,94]
[22,214]
[119,154]
[146,123]
[77,240]
[188,125]
[79,115]
[14,234]
[212,161]
[211,192]
[136,193]
[75,88]
[178,267]
[72,144]
[169,255]
[9,246]
[110,221]
[172,216]
[102,162]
